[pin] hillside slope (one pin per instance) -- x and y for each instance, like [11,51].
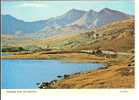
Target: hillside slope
[71,22]
[118,36]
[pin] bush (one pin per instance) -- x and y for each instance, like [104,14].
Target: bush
[13,49]
[33,48]
[99,52]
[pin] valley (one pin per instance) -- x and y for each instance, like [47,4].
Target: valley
[82,39]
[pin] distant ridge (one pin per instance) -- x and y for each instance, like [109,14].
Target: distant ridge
[73,19]
[11,25]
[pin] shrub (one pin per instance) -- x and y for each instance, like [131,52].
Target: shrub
[99,52]
[13,49]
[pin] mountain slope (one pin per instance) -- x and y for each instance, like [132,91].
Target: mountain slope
[95,19]
[71,22]
[88,20]
[118,36]
[11,25]
[65,19]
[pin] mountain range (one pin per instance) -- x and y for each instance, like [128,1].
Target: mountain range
[73,21]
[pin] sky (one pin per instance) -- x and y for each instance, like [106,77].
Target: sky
[39,10]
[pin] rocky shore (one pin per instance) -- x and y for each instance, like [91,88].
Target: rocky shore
[118,73]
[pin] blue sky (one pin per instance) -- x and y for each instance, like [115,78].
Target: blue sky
[39,10]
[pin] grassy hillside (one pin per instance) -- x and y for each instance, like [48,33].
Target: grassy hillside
[116,36]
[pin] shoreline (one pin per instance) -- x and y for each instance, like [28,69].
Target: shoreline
[68,57]
[98,78]
[115,68]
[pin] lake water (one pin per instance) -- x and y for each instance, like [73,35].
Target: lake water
[24,74]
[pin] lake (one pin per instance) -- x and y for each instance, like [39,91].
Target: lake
[24,74]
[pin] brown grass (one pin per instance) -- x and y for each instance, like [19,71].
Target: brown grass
[115,76]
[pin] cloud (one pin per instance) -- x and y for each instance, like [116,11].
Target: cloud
[37,5]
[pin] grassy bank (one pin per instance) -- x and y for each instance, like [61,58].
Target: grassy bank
[66,56]
[118,72]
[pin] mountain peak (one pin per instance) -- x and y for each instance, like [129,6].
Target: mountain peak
[106,10]
[74,13]
[75,10]
[91,12]
[86,19]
